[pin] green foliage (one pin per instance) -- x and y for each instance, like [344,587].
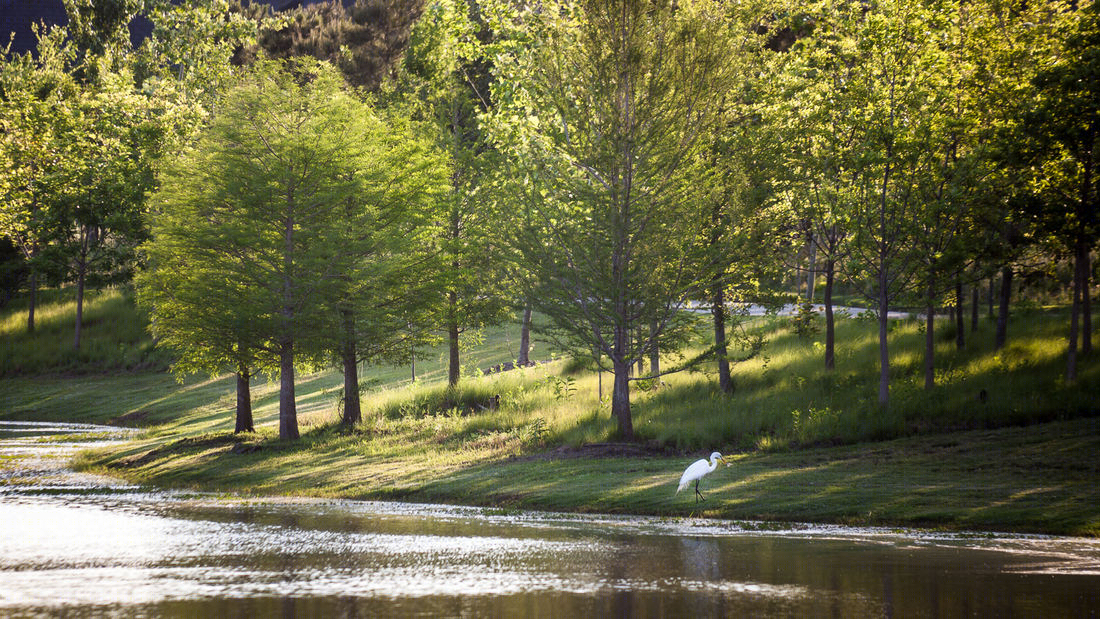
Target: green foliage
[805,321]
[606,122]
[296,226]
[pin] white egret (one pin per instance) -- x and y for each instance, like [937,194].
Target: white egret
[696,471]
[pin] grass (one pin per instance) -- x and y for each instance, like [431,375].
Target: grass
[811,445]
[114,335]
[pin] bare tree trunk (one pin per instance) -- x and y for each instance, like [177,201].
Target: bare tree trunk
[80,275]
[883,345]
[811,276]
[654,351]
[1075,309]
[454,370]
[1002,315]
[352,412]
[288,409]
[960,318]
[33,300]
[244,401]
[620,400]
[525,337]
[620,394]
[599,373]
[974,309]
[88,236]
[1086,303]
[830,325]
[718,310]
[929,336]
[992,293]
[288,412]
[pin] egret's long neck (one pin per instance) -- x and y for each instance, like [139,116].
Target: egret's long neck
[713,465]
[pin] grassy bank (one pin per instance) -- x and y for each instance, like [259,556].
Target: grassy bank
[811,445]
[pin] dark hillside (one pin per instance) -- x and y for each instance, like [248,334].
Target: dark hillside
[17,17]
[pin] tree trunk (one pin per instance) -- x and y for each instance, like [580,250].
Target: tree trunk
[288,412]
[1086,303]
[454,370]
[33,299]
[352,412]
[525,337]
[812,275]
[883,345]
[930,336]
[992,293]
[960,317]
[718,309]
[620,400]
[1075,309]
[974,309]
[620,393]
[244,401]
[80,275]
[654,351]
[830,326]
[1002,314]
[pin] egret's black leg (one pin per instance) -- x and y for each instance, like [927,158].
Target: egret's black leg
[698,495]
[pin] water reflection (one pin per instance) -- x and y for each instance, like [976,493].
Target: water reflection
[83,547]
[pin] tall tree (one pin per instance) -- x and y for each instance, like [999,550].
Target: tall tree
[891,97]
[39,103]
[1064,131]
[613,109]
[808,108]
[119,138]
[446,81]
[272,178]
[384,309]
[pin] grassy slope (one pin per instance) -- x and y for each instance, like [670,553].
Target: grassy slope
[996,469]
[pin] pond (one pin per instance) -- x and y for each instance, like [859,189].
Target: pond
[80,545]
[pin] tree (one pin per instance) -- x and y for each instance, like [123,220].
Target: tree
[384,308]
[38,110]
[1064,131]
[117,139]
[444,81]
[611,112]
[899,90]
[272,180]
[809,111]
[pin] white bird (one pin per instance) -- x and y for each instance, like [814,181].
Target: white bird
[696,471]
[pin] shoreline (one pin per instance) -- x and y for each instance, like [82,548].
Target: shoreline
[1027,479]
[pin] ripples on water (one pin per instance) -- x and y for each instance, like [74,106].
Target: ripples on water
[80,545]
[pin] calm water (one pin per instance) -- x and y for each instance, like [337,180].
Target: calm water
[83,546]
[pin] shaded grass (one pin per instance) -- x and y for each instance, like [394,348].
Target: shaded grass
[114,336]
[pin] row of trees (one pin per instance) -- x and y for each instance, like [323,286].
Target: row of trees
[604,163]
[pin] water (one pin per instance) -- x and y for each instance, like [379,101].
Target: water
[79,545]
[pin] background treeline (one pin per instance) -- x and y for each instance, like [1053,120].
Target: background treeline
[355,182]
